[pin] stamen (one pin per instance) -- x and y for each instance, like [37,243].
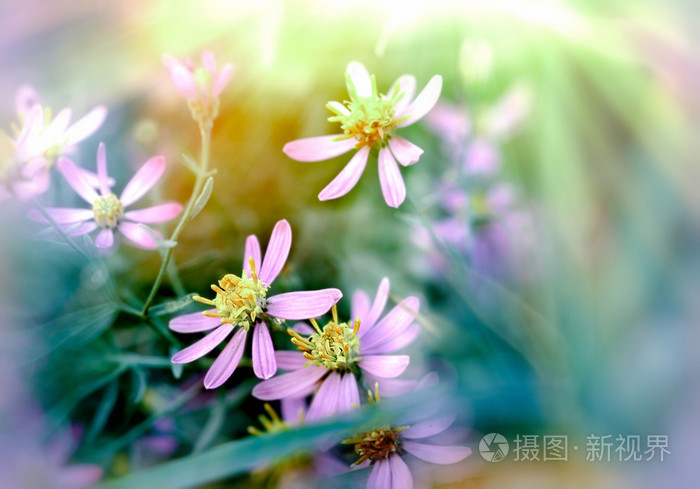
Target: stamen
[238,300]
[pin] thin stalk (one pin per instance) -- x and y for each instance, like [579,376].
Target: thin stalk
[205,133]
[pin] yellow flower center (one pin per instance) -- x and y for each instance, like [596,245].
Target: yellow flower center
[108,210]
[239,300]
[376,445]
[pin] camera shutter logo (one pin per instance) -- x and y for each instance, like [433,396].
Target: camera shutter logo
[493,447]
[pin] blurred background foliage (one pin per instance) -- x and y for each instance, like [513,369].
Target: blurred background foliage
[600,341]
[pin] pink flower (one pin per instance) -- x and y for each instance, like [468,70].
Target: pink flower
[383,449]
[26,158]
[108,212]
[332,358]
[368,121]
[201,87]
[243,302]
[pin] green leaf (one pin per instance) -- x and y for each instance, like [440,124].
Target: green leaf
[103,410]
[203,197]
[171,307]
[212,427]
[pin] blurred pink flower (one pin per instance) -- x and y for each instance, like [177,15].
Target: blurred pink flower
[201,87]
[108,212]
[368,121]
[331,358]
[242,301]
[26,158]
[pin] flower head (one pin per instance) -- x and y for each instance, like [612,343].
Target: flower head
[334,358]
[109,213]
[242,301]
[368,122]
[201,86]
[27,155]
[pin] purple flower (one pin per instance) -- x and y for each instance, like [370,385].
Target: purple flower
[368,121]
[26,157]
[243,302]
[383,448]
[332,357]
[108,212]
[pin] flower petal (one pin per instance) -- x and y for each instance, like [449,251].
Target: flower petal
[401,477]
[347,178]
[203,346]
[25,99]
[384,366]
[380,477]
[137,235]
[76,180]
[86,125]
[303,328]
[144,179]
[105,239]
[393,324]
[302,305]
[407,85]
[360,309]
[37,184]
[359,76]
[80,476]
[222,79]
[290,360]
[209,61]
[55,132]
[391,387]
[393,188]
[437,454]
[227,361]
[297,383]
[400,340]
[277,252]
[194,322]
[423,102]
[318,148]
[102,176]
[62,215]
[404,151]
[264,363]
[429,427]
[379,303]
[157,213]
[349,395]
[325,402]
[293,410]
[86,227]
[252,250]
[182,77]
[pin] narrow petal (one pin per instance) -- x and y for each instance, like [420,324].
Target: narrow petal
[84,228]
[158,213]
[209,61]
[293,410]
[102,176]
[290,360]
[394,323]
[25,99]
[194,322]
[303,305]
[379,303]
[54,133]
[76,180]
[36,185]
[318,148]
[104,239]
[429,427]
[222,79]
[277,252]
[425,101]
[325,402]
[227,361]
[437,454]
[396,342]
[380,477]
[401,477]
[144,179]
[384,366]
[264,363]
[391,387]
[347,178]
[252,250]
[407,85]
[404,151]
[349,393]
[92,179]
[360,78]
[360,309]
[339,107]
[303,328]
[203,346]
[181,76]
[62,215]
[137,235]
[86,125]
[393,188]
[292,384]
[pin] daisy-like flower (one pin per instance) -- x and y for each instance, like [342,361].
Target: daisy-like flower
[27,155]
[332,357]
[383,448]
[201,87]
[109,212]
[368,122]
[243,302]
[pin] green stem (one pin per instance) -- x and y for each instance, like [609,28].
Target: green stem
[205,133]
